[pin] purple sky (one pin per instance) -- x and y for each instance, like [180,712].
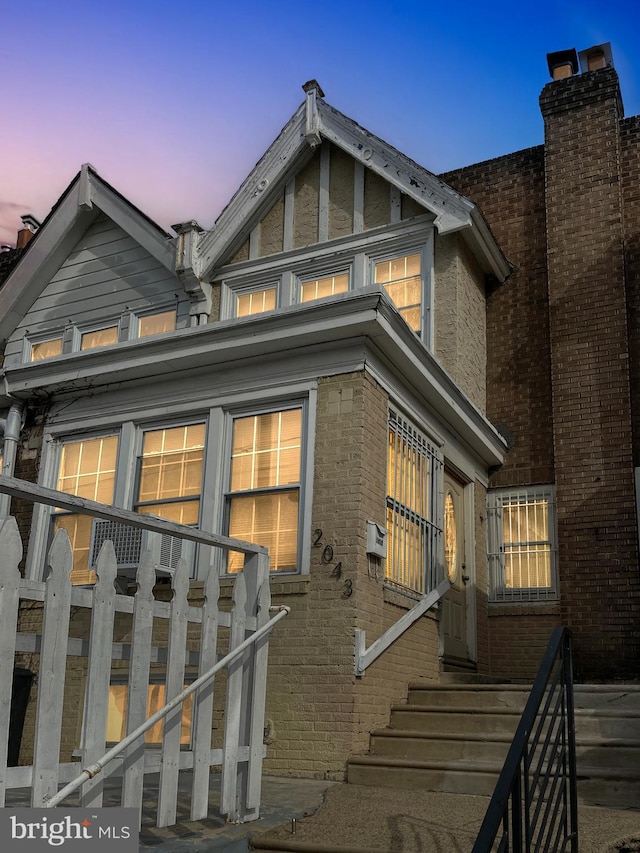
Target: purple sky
[173,103]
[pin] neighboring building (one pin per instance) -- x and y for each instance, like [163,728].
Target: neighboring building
[349,344]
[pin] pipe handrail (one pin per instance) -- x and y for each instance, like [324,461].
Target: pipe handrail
[100,764]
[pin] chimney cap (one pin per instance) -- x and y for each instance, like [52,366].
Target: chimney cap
[603,50]
[30,222]
[561,58]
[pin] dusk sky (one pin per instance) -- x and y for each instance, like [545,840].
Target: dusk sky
[173,103]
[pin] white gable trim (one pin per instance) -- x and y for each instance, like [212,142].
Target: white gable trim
[315,119]
[86,197]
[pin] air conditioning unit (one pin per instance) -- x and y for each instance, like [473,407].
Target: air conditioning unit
[131,542]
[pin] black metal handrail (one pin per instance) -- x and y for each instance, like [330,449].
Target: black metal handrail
[535,802]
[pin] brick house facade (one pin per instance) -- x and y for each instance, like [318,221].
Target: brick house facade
[360,314]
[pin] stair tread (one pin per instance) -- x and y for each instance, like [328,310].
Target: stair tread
[626,713]
[497,737]
[472,766]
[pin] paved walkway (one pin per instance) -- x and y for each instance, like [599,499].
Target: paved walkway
[355,818]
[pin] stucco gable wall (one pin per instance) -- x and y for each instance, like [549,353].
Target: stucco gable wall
[107,273]
[342,205]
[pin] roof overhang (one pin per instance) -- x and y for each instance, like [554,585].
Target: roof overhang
[367,317]
[81,203]
[314,121]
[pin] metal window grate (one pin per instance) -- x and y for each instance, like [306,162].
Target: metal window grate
[522,545]
[414,539]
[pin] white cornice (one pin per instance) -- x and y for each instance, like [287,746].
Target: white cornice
[368,317]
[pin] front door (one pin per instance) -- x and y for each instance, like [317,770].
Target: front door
[454,604]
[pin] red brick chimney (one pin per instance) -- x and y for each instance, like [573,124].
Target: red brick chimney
[29,227]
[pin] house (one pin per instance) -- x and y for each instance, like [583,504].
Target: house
[391,379]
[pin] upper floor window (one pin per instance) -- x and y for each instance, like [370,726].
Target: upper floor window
[49,348]
[319,288]
[413,474]
[156,324]
[522,544]
[401,277]
[99,337]
[256,301]
[263,501]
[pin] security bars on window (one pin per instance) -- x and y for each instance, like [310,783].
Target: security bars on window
[522,546]
[414,537]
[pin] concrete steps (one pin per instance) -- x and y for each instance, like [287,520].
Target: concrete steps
[454,738]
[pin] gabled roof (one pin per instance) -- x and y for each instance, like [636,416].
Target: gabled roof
[314,121]
[81,203]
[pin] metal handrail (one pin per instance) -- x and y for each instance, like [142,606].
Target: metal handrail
[536,793]
[100,764]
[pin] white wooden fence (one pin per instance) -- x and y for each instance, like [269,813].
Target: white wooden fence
[240,757]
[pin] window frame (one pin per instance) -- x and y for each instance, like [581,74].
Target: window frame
[41,339]
[136,316]
[433,524]
[80,331]
[425,250]
[303,487]
[498,591]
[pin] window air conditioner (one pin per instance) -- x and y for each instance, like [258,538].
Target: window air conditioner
[130,542]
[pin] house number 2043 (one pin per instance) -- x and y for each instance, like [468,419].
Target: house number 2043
[327,557]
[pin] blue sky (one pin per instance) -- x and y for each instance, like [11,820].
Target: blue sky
[173,103]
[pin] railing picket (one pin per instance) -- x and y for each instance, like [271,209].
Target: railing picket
[141,634]
[257,698]
[99,670]
[53,665]
[170,768]
[11,550]
[229,794]
[203,700]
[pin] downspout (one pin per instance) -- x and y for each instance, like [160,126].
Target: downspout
[10,427]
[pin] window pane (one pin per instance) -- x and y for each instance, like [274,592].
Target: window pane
[183,512]
[256,302]
[117,711]
[270,520]
[79,529]
[172,462]
[99,338]
[46,349]
[319,288]
[266,450]
[402,279]
[156,324]
[87,469]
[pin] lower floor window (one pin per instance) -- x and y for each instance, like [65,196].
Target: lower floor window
[263,503]
[414,536]
[522,544]
[156,699]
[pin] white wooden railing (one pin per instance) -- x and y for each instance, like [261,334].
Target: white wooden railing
[364,657]
[248,626]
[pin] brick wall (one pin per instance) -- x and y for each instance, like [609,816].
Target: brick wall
[597,529]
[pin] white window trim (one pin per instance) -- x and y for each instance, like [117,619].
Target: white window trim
[131,333]
[355,254]
[79,331]
[29,340]
[425,250]
[498,593]
[216,462]
[308,407]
